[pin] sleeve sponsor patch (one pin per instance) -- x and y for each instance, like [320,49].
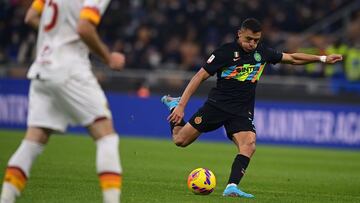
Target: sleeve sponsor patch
[211,58]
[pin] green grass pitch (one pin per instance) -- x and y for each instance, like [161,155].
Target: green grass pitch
[156,171]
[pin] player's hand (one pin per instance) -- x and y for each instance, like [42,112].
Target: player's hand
[117,61]
[177,115]
[333,58]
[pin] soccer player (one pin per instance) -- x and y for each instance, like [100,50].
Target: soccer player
[64,91]
[238,66]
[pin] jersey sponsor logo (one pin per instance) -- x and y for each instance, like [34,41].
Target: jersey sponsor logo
[236,59]
[211,58]
[244,72]
[198,120]
[257,57]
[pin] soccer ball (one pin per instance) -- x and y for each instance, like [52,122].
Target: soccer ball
[201,181]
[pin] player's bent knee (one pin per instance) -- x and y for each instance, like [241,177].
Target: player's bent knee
[38,134]
[185,136]
[180,142]
[253,149]
[251,144]
[250,147]
[101,127]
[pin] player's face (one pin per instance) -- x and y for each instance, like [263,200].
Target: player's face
[248,39]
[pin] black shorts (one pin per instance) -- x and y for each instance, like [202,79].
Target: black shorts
[209,118]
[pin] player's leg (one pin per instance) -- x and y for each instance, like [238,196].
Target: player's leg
[20,163]
[107,159]
[206,119]
[244,140]
[88,106]
[183,133]
[41,112]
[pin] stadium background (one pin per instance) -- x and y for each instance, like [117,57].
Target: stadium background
[167,41]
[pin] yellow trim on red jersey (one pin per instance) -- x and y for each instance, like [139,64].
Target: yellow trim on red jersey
[90,13]
[38,5]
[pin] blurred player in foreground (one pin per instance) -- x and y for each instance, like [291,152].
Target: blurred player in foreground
[238,66]
[64,91]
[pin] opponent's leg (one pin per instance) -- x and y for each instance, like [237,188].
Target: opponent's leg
[19,165]
[245,142]
[107,159]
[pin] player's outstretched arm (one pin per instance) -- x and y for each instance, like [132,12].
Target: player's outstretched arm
[88,33]
[193,85]
[302,58]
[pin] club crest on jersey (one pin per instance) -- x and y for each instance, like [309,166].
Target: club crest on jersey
[257,57]
[198,120]
[211,58]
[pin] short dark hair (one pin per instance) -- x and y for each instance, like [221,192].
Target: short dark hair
[251,24]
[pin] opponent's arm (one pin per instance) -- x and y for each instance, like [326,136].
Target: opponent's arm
[88,33]
[33,14]
[193,85]
[302,58]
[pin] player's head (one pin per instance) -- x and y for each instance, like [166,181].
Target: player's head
[249,34]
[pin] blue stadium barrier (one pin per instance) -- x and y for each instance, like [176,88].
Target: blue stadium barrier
[276,122]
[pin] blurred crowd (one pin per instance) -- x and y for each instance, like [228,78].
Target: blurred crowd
[180,34]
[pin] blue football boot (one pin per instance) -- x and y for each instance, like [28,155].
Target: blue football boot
[232,191]
[170,102]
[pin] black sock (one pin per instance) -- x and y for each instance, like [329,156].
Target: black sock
[172,125]
[238,168]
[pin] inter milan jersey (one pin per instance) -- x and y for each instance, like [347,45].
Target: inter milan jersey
[237,75]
